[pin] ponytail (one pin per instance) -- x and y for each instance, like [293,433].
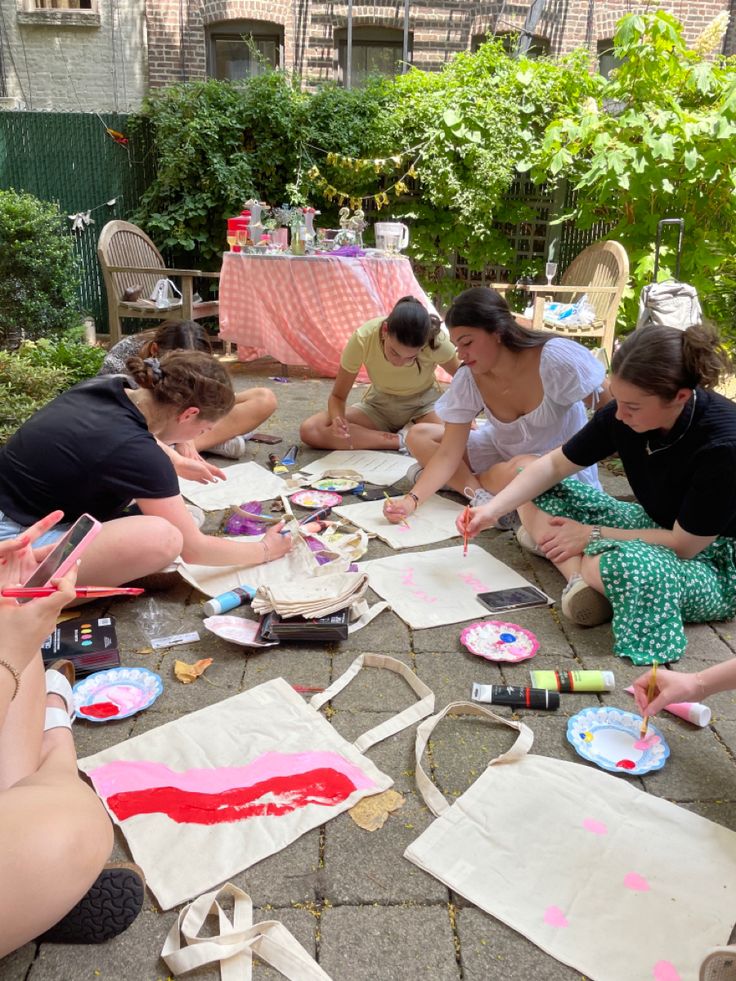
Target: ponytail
[413,325]
[181,379]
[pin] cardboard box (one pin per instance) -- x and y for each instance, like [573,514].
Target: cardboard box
[91,644]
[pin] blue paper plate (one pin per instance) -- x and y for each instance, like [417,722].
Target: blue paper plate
[117,693]
[609,737]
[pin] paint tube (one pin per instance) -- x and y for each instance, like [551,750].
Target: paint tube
[573,680]
[534,698]
[225,602]
[694,712]
[276,465]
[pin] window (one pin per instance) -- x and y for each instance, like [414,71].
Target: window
[59,5]
[59,13]
[376,51]
[538,47]
[607,60]
[242,49]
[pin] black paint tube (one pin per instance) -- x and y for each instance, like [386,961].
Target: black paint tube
[531,698]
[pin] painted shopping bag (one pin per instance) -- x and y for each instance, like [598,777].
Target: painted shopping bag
[208,795]
[614,882]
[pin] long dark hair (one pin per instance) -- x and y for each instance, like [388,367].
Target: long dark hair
[486,309]
[662,360]
[412,324]
[178,335]
[180,379]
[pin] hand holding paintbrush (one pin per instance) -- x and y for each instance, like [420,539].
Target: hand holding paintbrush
[650,696]
[390,511]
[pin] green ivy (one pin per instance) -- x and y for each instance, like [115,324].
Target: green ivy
[38,270]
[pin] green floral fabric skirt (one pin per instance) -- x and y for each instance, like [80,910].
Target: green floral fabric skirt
[651,590]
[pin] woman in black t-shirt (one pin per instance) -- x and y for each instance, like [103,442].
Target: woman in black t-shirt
[670,557]
[93,449]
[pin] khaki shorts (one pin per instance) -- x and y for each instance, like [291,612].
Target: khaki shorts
[391,413]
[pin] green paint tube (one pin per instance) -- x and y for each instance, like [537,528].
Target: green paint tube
[573,680]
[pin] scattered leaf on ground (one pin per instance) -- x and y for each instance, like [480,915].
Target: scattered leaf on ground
[144,650]
[372,812]
[187,673]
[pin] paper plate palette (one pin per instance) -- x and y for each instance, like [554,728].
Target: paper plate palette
[238,630]
[498,641]
[316,499]
[609,737]
[116,693]
[342,484]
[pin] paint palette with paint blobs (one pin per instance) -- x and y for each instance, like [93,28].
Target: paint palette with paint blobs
[316,499]
[609,737]
[342,484]
[498,641]
[118,693]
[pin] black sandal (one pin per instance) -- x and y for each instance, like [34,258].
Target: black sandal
[108,908]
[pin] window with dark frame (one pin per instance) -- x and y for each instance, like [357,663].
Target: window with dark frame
[607,60]
[243,49]
[376,51]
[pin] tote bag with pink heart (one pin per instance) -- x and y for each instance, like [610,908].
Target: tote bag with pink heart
[614,882]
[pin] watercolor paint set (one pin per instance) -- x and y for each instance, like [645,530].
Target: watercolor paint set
[90,644]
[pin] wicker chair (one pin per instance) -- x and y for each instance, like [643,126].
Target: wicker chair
[129,259]
[601,271]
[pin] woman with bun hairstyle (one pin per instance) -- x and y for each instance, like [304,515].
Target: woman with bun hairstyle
[531,386]
[669,558]
[94,449]
[229,435]
[400,353]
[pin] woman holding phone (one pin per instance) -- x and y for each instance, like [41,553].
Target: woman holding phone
[55,836]
[94,450]
[671,557]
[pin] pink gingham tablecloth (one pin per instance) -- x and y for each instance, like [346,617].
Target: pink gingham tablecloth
[302,309]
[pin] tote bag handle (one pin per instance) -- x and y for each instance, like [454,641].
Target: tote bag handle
[419,710]
[234,946]
[436,801]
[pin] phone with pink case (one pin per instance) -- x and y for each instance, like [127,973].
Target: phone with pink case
[66,552]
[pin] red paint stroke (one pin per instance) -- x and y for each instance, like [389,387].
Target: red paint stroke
[100,710]
[626,764]
[272,797]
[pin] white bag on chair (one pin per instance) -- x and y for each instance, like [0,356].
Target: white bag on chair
[165,295]
[617,883]
[208,795]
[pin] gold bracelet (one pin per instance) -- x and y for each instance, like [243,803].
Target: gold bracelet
[15,674]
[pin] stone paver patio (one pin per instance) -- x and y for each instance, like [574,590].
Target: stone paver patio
[349,896]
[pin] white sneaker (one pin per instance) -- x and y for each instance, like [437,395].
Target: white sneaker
[197,513]
[414,472]
[480,497]
[584,605]
[402,439]
[233,448]
[527,542]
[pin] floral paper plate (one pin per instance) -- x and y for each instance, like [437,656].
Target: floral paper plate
[342,484]
[498,641]
[316,499]
[609,737]
[116,693]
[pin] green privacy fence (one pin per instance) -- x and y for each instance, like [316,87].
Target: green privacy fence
[69,158]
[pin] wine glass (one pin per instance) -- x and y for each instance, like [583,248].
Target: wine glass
[550,271]
[242,238]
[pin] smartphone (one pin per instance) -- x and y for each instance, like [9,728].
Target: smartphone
[68,549]
[265,438]
[520,598]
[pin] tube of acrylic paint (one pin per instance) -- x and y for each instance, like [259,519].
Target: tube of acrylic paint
[694,712]
[573,680]
[238,596]
[534,698]
[276,465]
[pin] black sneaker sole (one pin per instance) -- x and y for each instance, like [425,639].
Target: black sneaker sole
[106,910]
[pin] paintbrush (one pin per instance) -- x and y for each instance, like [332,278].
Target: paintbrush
[650,696]
[404,522]
[466,520]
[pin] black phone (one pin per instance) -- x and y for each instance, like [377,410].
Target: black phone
[265,438]
[519,598]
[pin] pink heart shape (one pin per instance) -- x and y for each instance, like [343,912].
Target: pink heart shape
[665,971]
[632,880]
[596,827]
[554,916]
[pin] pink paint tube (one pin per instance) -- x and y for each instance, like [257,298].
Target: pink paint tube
[694,712]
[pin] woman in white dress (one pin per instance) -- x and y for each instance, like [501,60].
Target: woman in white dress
[533,388]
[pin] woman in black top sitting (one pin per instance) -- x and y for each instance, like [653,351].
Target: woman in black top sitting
[670,557]
[94,449]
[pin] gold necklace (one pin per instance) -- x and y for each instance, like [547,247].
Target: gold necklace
[667,446]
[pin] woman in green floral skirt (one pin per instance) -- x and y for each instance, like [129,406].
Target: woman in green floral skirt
[671,557]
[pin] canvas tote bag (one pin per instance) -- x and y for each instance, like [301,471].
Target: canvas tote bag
[208,795]
[614,882]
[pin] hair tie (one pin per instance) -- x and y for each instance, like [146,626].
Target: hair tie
[155,365]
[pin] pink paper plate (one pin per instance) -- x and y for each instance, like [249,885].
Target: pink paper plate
[497,641]
[316,499]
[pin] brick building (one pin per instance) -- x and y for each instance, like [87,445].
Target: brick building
[102,54]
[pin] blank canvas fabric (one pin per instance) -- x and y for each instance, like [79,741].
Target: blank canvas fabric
[615,882]
[433,522]
[245,482]
[428,589]
[374,466]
